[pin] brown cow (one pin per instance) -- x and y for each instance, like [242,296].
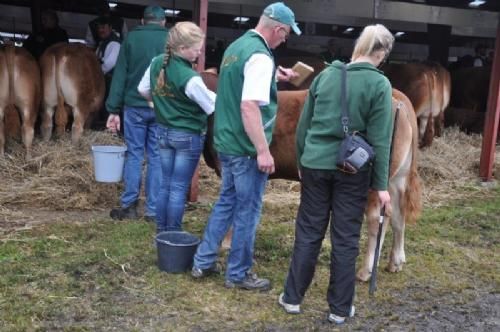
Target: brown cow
[71,76]
[20,88]
[404,182]
[428,86]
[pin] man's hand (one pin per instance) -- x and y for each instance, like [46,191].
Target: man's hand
[113,123]
[285,74]
[265,162]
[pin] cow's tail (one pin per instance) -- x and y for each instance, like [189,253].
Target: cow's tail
[10,59]
[413,192]
[60,109]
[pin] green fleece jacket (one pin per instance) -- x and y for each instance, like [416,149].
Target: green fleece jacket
[319,131]
[136,52]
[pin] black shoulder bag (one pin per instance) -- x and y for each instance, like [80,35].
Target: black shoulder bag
[355,152]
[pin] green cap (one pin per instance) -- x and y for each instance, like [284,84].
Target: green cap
[278,11]
[154,13]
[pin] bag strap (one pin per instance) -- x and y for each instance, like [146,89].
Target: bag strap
[343,101]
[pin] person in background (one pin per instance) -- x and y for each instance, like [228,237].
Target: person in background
[327,194]
[50,34]
[182,103]
[139,47]
[246,108]
[107,52]
[118,25]
[108,47]
[480,57]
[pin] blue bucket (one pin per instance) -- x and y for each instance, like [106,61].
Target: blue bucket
[176,250]
[108,162]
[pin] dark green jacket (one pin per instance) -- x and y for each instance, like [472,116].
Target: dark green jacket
[319,131]
[173,108]
[140,46]
[230,136]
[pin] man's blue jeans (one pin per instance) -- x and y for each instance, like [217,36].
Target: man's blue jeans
[140,136]
[239,205]
[179,153]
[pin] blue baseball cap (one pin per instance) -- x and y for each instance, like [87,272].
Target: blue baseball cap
[278,11]
[154,13]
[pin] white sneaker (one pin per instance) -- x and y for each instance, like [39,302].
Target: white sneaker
[289,308]
[332,318]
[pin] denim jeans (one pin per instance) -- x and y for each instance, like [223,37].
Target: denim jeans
[239,205]
[180,152]
[140,136]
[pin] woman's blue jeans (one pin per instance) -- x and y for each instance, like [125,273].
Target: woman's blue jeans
[239,205]
[179,154]
[140,137]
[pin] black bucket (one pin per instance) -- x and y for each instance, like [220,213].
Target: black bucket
[176,250]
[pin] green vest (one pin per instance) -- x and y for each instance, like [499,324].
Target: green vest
[229,134]
[172,107]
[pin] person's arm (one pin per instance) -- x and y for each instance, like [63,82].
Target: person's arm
[379,132]
[252,122]
[114,102]
[198,92]
[304,124]
[110,56]
[258,75]
[144,86]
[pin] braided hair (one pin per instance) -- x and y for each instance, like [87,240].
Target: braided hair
[181,34]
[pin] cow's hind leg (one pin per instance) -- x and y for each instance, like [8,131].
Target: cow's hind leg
[79,119]
[397,257]
[28,126]
[47,122]
[372,219]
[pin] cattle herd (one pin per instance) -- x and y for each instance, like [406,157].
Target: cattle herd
[67,83]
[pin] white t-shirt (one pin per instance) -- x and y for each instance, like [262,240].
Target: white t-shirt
[196,90]
[258,72]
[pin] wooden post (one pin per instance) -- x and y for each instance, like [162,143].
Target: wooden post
[200,15]
[492,117]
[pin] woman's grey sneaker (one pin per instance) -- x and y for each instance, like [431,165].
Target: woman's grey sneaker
[251,282]
[198,273]
[289,308]
[332,318]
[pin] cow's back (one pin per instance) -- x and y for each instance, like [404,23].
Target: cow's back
[73,70]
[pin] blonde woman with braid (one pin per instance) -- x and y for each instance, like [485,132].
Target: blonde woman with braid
[182,103]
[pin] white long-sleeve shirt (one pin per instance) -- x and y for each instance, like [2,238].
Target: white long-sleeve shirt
[196,90]
[110,56]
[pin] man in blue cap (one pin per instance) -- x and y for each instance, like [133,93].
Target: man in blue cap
[246,106]
[140,46]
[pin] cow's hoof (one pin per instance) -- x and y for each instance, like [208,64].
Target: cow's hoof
[363,275]
[393,268]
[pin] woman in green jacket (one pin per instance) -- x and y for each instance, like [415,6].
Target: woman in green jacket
[327,193]
[182,103]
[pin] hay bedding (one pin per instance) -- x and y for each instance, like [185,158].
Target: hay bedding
[60,176]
